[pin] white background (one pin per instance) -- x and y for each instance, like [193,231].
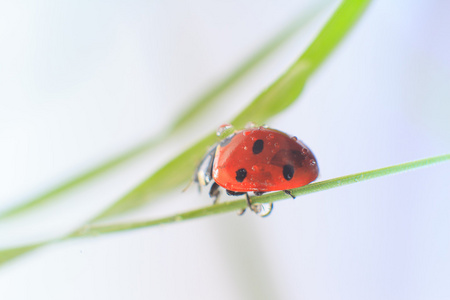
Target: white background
[81,81]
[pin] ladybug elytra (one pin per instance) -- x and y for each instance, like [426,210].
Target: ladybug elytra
[257,160]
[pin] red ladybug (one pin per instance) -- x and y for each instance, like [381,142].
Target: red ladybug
[257,160]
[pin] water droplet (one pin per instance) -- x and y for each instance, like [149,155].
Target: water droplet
[245,148]
[256,208]
[224,130]
[256,168]
[312,162]
[304,150]
[269,136]
[263,210]
[276,145]
[294,138]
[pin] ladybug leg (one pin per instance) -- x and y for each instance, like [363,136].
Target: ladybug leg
[288,192]
[214,192]
[240,213]
[249,202]
[256,208]
[231,193]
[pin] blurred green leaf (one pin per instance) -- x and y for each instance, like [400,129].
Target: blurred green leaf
[9,254]
[171,175]
[187,116]
[52,195]
[205,102]
[275,99]
[95,230]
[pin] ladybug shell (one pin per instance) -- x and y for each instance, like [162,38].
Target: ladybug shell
[263,160]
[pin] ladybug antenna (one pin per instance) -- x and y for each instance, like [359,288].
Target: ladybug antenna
[188,186]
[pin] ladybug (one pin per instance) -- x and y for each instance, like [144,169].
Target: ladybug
[257,160]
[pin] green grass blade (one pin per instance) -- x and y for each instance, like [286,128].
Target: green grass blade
[267,198]
[95,230]
[275,99]
[288,87]
[190,114]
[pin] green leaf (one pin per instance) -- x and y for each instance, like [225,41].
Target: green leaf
[95,230]
[275,99]
[190,114]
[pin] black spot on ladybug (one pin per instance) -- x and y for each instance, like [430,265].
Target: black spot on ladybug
[241,174]
[258,146]
[288,157]
[288,172]
[226,141]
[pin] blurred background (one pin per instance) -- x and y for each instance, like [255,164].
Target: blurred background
[82,81]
